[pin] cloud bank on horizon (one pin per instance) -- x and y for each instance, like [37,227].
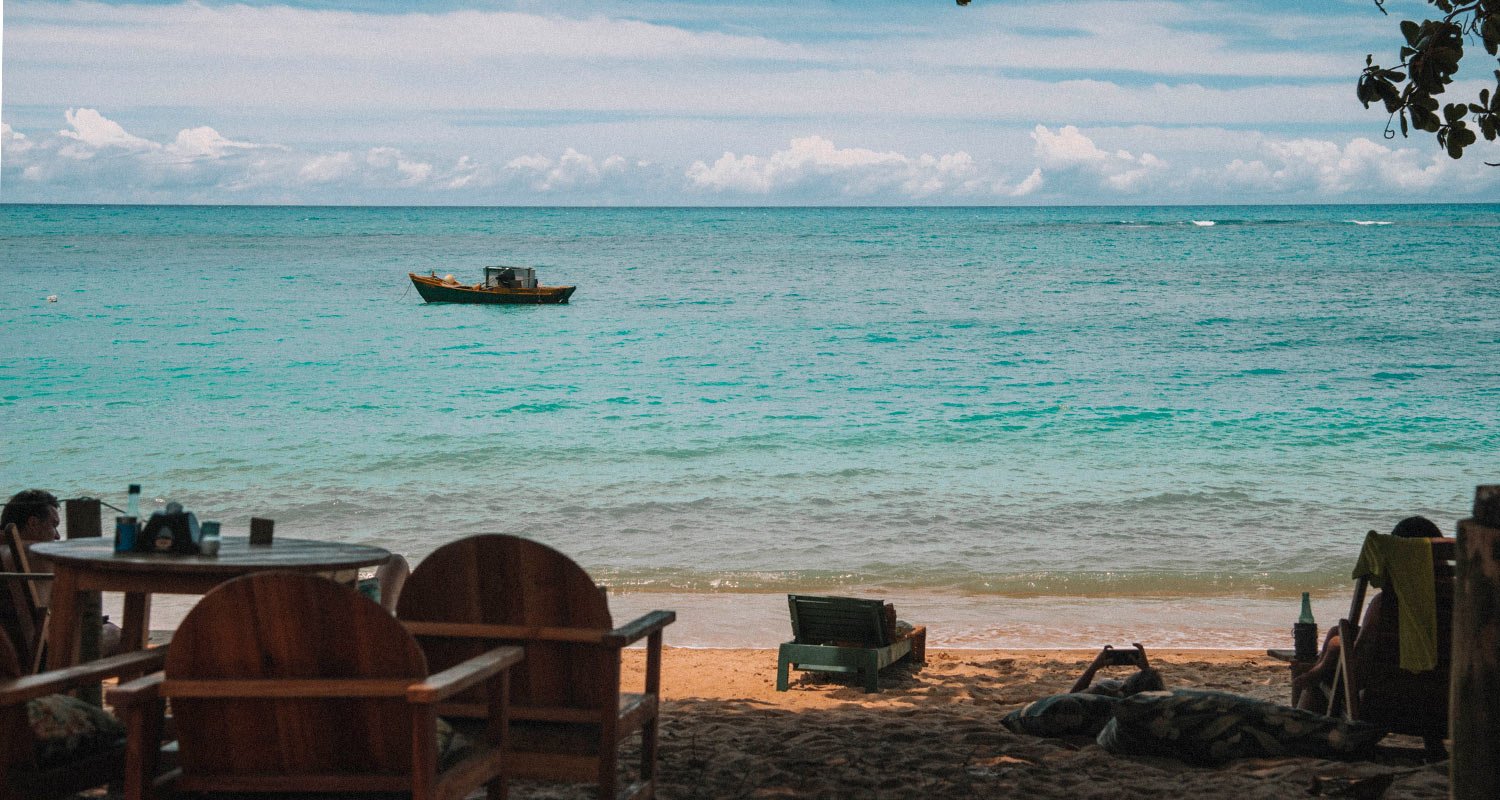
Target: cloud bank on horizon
[686,103]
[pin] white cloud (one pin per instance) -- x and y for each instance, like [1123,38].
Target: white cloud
[413,172]
[203,142]
[571,170]
[814,162]
[327,167]
[1030,184]
[92,133]
[1327,169]
[11,142]
[1067,164]
[1119,171]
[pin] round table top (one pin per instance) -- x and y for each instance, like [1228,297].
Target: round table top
[236,555]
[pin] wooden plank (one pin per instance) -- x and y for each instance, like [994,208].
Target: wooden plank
[480,630]
[286,688]
[1475,694]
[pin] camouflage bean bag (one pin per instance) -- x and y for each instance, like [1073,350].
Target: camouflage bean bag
[1063,715]
[1210,728]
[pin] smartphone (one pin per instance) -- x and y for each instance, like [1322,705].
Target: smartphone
[1125,655]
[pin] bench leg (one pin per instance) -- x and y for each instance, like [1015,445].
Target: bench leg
[782,665]
[871,671]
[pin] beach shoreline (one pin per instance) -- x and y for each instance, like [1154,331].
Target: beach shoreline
[935,730]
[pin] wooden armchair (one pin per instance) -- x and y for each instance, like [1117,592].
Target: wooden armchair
[22,615]
[1369,683]
[26,773]
[842,634]
[568,715]
[291,683]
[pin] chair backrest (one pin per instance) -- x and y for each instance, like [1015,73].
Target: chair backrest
[838,620]
[507,580]
[1381,645]
[284,625]
[16,744]
[21,611]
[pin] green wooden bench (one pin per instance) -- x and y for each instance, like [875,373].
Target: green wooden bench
[840,634]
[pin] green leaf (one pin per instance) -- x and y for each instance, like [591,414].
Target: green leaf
[1410,30]
[1403,124]
[1454,112]
[1455,150]
[1491,29]
[1392,75]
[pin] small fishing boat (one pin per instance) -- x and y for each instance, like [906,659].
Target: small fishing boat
[501,285]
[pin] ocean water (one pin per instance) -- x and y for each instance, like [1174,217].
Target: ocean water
[1022,422]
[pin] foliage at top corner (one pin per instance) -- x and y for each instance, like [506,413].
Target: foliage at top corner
[1430,57]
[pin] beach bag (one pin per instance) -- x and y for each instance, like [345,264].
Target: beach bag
[1063,715]
[1210,728]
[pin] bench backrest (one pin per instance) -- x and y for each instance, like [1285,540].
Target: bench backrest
[849,621]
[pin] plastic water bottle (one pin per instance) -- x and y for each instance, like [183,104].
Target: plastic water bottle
[133,505]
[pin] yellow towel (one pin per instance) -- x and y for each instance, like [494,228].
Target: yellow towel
[1405,566]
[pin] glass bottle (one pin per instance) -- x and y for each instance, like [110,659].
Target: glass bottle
[133,505]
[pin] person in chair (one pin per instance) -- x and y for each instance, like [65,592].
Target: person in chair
[1380,618]
[35,513]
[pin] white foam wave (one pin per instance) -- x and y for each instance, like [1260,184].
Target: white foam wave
[1369,221]
[1204,223]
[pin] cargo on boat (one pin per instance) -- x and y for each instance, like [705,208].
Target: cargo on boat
[511,285]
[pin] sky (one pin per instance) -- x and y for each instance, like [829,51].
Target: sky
[682,102]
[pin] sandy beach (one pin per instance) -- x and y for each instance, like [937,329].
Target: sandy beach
[935,732]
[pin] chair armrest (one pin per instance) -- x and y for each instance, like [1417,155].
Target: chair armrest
[461,676]
[30,687]
[141,690]
[640,628]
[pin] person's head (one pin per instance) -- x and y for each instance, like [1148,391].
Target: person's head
[34,513]
[1417,528]
[1145,679]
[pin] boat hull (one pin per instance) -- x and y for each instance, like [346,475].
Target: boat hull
[434,291]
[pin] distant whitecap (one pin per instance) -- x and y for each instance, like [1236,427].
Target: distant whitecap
[1369,221]
[1204,223]
[52,298]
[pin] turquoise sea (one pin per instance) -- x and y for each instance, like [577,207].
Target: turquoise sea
[1036,426]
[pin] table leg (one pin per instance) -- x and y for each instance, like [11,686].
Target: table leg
[62,628]
[135,628]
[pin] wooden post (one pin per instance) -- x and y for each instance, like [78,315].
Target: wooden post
[84,523]
[1475,700]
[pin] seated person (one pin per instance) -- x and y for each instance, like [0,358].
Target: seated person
[1380,618]
[34,512]
[898,629]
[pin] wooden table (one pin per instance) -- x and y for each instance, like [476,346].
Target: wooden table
[92,565]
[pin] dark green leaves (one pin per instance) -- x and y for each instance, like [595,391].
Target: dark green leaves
[1430,56]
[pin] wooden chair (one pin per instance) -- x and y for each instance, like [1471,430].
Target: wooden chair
[21,774]
[842,634]
[568,715]
[291,683]
[21,611]
[1369,683]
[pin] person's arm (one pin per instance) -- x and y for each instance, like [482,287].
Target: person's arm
[1088,675]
